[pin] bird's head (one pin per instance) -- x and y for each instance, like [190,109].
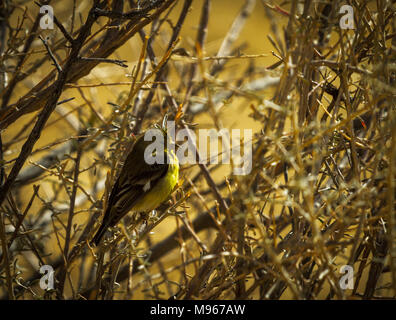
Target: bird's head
[155,139]
[163,129]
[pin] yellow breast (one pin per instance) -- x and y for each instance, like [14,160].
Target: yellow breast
[161,191]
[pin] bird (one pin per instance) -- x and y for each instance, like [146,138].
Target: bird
[140,187]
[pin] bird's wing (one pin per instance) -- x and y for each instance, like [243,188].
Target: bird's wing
[130,186]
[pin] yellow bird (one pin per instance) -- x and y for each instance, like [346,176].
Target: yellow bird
[140,187]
